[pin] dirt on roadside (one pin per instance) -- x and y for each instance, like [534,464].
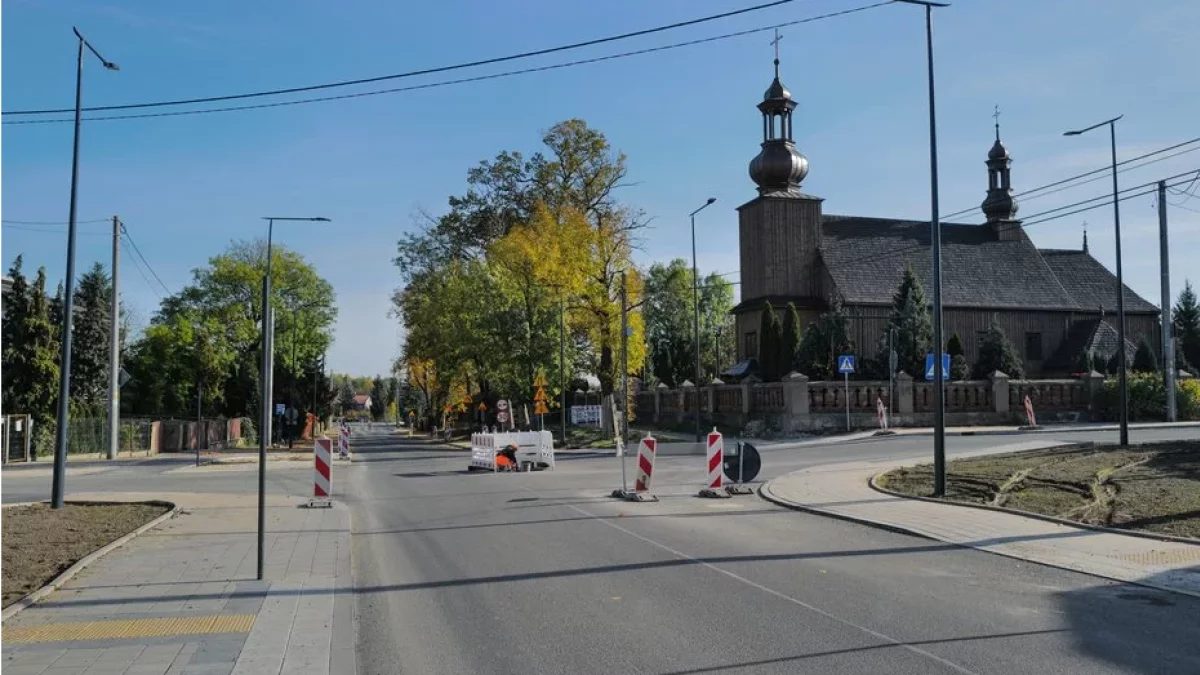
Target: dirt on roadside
[1152,487]
[39,542]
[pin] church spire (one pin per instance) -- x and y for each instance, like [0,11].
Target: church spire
[1085,246]
[779,167]
[999,205]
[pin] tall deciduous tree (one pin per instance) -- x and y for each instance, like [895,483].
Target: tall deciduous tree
[209,333]
[491,232]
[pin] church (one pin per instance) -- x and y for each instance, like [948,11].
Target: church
[1053,304]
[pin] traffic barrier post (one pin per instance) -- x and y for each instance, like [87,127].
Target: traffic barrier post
[716,467]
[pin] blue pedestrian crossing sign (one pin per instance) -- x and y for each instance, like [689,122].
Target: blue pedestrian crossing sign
[929,374]
[846,364]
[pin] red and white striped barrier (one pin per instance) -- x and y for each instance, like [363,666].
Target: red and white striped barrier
[645,463]
[322,478]
[1029,412]
[881,413]
[716,460]
[344,442]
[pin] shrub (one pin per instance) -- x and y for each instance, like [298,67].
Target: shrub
[1148,398]
[1144,360]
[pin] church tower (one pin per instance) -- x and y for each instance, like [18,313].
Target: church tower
[1000,207]
[780,229]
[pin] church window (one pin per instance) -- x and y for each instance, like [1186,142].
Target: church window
[752,345]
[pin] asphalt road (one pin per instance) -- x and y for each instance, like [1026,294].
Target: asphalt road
[542,573]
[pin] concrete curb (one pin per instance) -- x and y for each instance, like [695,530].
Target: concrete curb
[1030,514]
[88,559]
[765,492]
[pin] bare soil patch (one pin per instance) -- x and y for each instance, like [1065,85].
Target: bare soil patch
[39,543]
[1152,487]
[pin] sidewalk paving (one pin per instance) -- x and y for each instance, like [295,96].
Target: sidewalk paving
[842,490]
[182,599]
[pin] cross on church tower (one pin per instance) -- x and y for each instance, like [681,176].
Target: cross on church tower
[775,44]
[996,116]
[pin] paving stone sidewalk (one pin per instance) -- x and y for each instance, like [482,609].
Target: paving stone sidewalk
[182,599]
[842,490]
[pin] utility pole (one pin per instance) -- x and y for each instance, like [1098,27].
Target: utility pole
[935,228]
[624,364]
[562,366]
[1168,343]
[114,347]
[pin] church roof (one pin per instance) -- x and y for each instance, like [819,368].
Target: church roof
[1090,283]
[866,257]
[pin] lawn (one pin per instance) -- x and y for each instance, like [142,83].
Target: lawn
[1151,487]
[40,542]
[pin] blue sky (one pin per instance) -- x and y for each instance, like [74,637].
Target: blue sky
[186,186]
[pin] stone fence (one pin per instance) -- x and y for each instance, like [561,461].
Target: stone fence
[797,404]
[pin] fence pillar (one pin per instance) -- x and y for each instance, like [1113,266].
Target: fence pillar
[1095,383]
[999,392]
[904,393]
[712,395]
[795,393]
[658,394]
[748,394]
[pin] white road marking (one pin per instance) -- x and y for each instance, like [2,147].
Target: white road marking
[778,594]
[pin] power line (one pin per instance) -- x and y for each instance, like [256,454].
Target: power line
[54,222]
[132,243]
[1032,193]
[444,83]
[138,267]
[43,230]
[415,73]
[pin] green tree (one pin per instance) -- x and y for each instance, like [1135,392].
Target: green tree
[379,401]
[717,341]
[509,202]
[955,346]
[793,336]
[346,397]
[770,339]
[1085,362]
[959,368]
[1144,360]
[911,323]
[996,353]
[1186,317]
[823,341]
[210,332]
[90,338]
[30,355]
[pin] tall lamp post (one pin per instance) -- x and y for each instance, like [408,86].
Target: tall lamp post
[1112,134]
[696,312]
[264,432]
[935,231]
[64,379]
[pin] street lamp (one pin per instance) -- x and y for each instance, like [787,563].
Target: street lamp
[696,311]
[1112,134]
[935,230]
[58,486]
[264,432]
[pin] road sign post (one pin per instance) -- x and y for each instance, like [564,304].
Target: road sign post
[845,367]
